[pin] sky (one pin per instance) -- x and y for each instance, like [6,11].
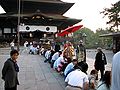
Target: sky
[88,11]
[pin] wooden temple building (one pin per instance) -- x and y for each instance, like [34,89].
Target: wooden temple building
[47,15]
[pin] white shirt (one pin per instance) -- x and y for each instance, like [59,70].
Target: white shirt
[47,54]
[69,67]
[31,47]
[57,62]
[25,44]
[55,56]
[76,78]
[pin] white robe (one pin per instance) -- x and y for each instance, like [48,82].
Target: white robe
[116,72]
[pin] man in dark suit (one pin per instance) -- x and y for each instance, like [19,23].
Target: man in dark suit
[10,71]
[100,61]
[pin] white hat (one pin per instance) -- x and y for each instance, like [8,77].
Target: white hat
[99,48]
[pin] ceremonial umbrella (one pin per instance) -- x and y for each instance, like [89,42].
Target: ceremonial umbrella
[69,30]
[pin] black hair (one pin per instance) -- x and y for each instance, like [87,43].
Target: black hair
[13,52]
[74,60]
[69,60]
[60,52]
[83,66]
[107,78]
[94,71]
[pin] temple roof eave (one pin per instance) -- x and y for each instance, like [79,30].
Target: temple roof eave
[60,21]
[31,6]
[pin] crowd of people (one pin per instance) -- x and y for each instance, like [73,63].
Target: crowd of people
[71,63]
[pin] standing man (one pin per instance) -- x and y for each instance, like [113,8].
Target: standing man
[100,61]
[81,52]
[10,71]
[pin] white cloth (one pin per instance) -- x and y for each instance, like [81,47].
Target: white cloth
[55,56]
[34,50]
[25,44]
[31,47]
[47,54]
[116,72]
[12,44]
[42,50]
[76,78]
[69,67]
[57,62]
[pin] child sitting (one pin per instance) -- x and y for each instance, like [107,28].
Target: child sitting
[92,79]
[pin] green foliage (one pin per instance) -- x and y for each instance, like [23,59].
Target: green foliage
[93,40]
[113,14]
[88,39]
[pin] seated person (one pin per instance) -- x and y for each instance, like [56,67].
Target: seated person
[63,64]
[57,62]
[55,57]
[47,55]
[78,79]
[70,66]
[92,79]
[105,82]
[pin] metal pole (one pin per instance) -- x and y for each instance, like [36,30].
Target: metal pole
[18,34]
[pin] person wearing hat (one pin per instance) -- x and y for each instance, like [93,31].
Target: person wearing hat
[100,61]
[78,79]
[81,52]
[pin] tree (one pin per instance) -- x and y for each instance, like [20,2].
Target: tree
[93,40]
[105,42]
[89,41]
[113,14]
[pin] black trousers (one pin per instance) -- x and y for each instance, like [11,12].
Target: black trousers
[102,73]
[52,63]
[13,88]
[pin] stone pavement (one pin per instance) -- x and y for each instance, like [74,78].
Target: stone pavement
[91,66]
[90,54]
[35,74]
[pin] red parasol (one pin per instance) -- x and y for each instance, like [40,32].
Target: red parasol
[69,30]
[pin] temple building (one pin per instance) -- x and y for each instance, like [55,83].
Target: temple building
[38,19]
